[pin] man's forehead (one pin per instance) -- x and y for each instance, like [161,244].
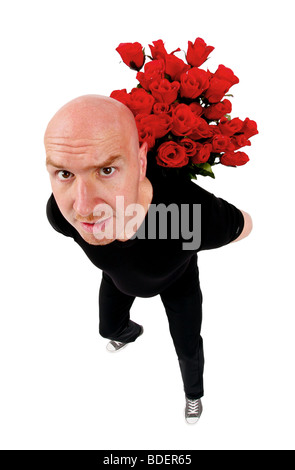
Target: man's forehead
[83,138]
[81,127]
[68,147]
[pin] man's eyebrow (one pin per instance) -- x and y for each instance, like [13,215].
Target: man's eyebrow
[109,161]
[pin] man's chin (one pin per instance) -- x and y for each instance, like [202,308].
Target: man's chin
[92,240]
[103,242]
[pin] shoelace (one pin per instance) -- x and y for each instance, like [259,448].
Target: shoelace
[193,406]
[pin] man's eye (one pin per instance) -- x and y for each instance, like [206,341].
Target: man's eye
[64,175]
[107,171]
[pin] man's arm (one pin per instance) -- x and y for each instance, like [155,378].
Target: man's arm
[248,225]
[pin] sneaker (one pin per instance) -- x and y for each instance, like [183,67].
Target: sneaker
[114,346]
[193,410]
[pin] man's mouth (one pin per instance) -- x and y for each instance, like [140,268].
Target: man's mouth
[89,226]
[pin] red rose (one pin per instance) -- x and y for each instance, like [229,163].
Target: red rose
[234,159]
[239,141]
[159,108]
[230,127]
[153,70]
[172,155]
[164,124]
[132,54]
[224,73]
[146,134]
[174,105]
[217,89]
[146,129]
[216,111]
[190,146]
[161,123]
[144,119]
[198,52]
[175,66]
[196,108]
[214,129]
[193,83]
[202,153]
[201,129]
[120,95]
[164,91]
[140,101]
[221,143]
[158,50]
[249,128]
[183,120]
[221,81]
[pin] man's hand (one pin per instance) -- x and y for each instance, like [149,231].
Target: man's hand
[248,225]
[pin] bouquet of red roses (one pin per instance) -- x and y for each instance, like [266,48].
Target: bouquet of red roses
[183,111]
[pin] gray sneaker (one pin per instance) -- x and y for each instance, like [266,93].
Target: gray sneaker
[114,346]
[193,410]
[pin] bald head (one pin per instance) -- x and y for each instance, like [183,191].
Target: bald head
[93,156]
[92,117]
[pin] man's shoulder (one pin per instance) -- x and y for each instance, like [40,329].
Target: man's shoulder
[180,191]
[56,219]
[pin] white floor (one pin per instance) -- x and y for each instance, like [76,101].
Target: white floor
[60,388]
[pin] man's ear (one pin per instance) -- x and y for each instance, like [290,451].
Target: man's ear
[143,160]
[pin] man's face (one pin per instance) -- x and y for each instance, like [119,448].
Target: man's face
[88,171]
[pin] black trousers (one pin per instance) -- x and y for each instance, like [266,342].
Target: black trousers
[183,306]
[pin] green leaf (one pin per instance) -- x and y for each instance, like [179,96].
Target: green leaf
[228,117]
[205,169]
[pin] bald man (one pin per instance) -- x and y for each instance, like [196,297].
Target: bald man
[100,179]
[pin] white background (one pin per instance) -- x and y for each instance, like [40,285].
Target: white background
[60,388]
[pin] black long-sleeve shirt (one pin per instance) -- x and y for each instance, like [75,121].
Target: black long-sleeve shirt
[143,267]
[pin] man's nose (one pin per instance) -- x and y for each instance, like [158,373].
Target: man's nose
[87,195]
